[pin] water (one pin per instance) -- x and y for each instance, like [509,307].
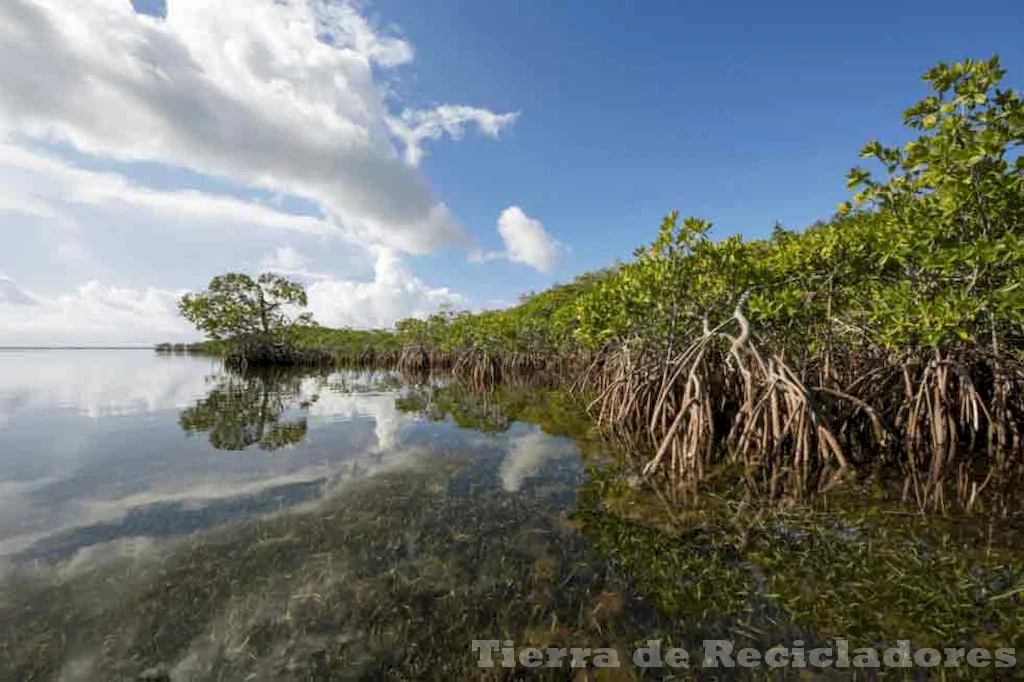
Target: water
[100,446]
[157,510]
[158,513]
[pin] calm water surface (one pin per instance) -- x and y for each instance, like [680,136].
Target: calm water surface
[162,517]
[159,511]
[100,445]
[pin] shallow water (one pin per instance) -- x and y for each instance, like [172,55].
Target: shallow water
[101,445]
[160,514]
[176,513]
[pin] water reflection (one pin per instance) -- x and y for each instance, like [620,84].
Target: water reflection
[80,469]
[528,454]
[316,521]
[399,522]
[248,409]
[97,383]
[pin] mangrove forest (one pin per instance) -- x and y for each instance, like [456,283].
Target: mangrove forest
[882,344]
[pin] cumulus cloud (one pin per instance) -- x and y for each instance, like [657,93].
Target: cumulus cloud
[75,225]
[414,126]
[71,199]
[526,241]
[393,293]
[94,313]
[178,148]
[282,95]
[290,262]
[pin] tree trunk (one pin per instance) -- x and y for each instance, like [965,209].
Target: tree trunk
[263,313]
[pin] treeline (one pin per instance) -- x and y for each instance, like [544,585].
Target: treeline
[202,347]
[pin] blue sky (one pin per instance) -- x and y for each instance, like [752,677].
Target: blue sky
[593,119]
[743,113]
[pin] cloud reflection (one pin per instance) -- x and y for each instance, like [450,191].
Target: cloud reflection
[100,459]
[527,456]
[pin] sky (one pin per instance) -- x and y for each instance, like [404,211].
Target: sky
[396,156]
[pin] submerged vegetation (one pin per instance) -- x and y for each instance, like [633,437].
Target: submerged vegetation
[392,576]
[850,564]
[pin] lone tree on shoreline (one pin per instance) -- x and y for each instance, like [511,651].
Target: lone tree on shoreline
[235,305]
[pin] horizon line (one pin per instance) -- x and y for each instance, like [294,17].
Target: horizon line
[106,346]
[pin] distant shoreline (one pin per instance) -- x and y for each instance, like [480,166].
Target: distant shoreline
[3,348]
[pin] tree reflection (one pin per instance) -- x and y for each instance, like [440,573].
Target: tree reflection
[249,409]
[495,409]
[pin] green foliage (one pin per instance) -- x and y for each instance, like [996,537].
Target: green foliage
[952,207]
[344,342]
[541,323]
[236,305]
[930,257]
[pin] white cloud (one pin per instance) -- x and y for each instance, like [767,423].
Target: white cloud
[393,294]
[94,313]
[277,94]
[42,185]
[11,294]
[288,261]
[414,126]
[526,242]
[296,265]
[282,99]
[65,225]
